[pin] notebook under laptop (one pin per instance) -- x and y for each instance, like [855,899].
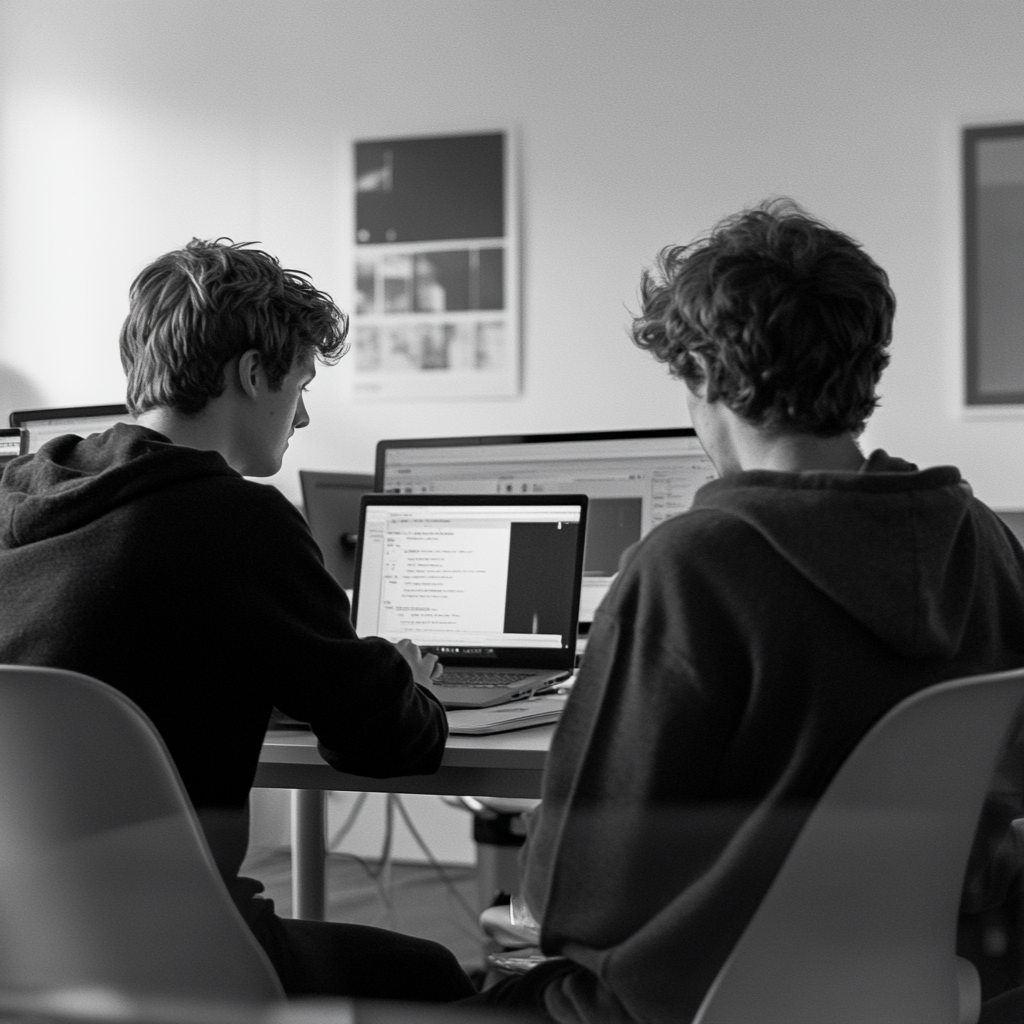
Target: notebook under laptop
[488,583]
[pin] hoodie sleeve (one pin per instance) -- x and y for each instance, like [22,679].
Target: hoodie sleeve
[358,695]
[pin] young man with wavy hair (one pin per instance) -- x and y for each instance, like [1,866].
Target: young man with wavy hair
[747,645]
[143,557]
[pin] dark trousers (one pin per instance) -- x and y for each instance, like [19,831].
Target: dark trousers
[325,958]
[524,993]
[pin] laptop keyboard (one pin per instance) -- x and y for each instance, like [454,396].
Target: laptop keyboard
[484,677]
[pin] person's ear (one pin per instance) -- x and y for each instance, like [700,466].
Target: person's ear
[697,383]
[250,373]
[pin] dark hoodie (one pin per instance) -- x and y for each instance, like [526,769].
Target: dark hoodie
[743,650]
[203,597]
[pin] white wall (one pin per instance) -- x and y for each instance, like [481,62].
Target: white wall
[127,126]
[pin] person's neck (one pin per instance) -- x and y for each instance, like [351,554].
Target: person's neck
[205,430]
[793,453]
[802,454]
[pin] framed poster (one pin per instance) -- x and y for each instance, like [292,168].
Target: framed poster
[436,311]
[993,177]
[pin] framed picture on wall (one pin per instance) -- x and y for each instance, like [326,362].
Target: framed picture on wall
[993,177]
[436,311]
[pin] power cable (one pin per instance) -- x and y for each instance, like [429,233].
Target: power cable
[347,825]
[435,864]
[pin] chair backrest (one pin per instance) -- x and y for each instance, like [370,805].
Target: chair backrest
[105,876]
[859,925]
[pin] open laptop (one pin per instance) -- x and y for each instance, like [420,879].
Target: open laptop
[41,425]
[10,445]
[488,583]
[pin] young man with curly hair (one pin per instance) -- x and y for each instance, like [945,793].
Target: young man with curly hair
[748,644]
[144,558]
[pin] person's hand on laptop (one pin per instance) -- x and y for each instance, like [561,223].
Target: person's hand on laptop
[426,669]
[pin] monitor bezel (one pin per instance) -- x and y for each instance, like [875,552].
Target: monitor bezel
[24,418]
[509,439]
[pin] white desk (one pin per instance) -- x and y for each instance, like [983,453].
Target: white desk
[507,764]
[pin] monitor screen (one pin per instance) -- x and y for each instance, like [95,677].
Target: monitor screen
[635,479]
[41,425]
[1015,521]
[10,445]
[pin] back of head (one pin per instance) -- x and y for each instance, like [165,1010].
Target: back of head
[785,320]
[195,309]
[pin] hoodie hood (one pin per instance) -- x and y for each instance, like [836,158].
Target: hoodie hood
[71,481]
[894,546]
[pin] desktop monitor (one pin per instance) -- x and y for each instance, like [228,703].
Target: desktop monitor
[635,479]
[10,445]
[1015,521]
[40,425]
[331,502]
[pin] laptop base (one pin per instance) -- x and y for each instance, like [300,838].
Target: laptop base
[454,696]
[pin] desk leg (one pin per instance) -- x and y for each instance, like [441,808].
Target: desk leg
[309,850]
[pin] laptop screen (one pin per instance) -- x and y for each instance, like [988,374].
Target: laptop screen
[41,425]
[476,580]
[635,479]
[10,445]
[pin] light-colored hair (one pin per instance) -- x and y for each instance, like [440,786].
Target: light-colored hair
[193,310]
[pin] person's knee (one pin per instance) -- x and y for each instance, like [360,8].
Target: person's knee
[436,969]
[331,958]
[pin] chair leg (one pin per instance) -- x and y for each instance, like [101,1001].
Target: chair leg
[308,854]
[497,871]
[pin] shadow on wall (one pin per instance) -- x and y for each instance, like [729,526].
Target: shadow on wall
[16,392]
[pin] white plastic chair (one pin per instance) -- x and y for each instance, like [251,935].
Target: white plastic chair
[106,880]
[859,926]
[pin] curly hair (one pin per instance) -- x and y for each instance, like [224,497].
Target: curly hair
[792,320]
[193,310]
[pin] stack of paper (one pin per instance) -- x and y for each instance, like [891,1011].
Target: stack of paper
[505,717]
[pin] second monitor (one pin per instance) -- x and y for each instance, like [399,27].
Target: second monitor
[635,479]
[331,503]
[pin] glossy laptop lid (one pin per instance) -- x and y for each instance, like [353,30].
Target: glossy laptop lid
[331,504]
